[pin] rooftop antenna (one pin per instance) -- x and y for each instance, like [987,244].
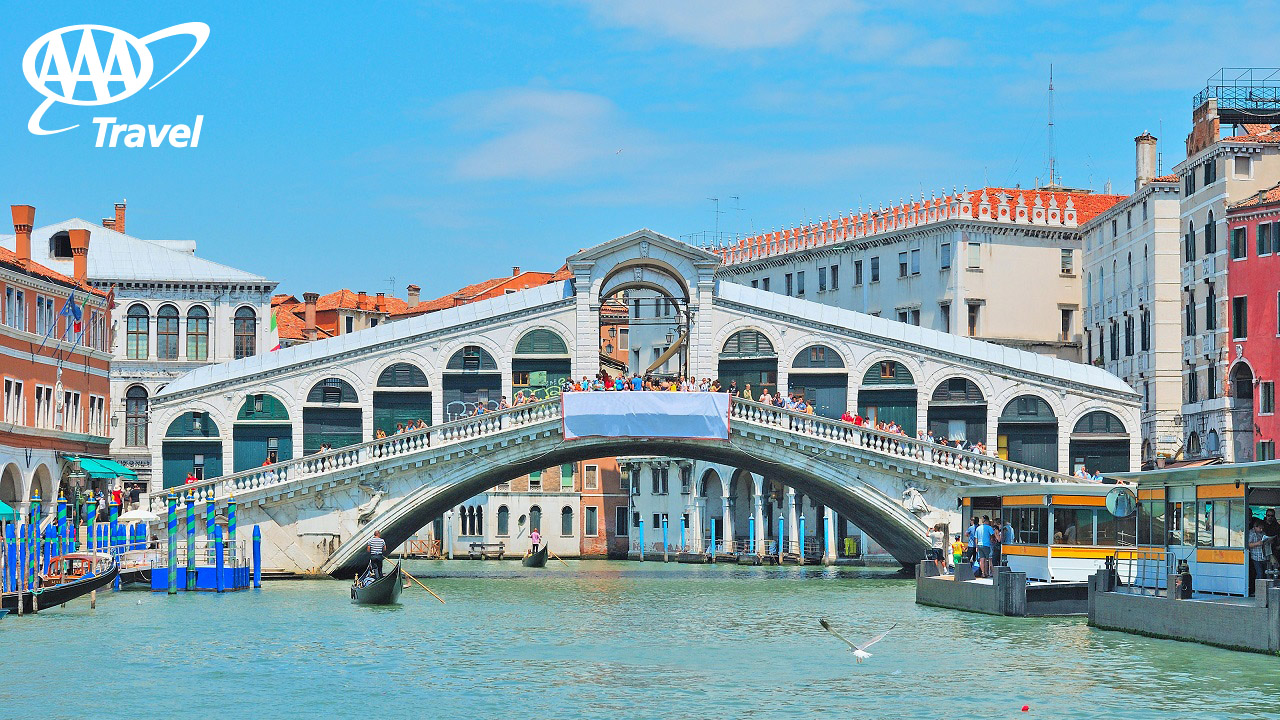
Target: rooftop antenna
[737,218]
[1052,158]
[1159,155]
[716,237]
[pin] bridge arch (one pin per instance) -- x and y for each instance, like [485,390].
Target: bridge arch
[958,409]
[541,360]
[192,444]
[332,415]
[749,357]
[819,372]
[262,431]
[401,398]
[1099,442]
[1027,431]
[669,280]
[888,391]
[471,377]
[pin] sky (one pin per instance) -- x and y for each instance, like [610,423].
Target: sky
[373,145]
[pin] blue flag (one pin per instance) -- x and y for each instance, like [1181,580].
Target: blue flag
[72,312]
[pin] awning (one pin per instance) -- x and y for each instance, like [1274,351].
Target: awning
[7,514]
[105,469]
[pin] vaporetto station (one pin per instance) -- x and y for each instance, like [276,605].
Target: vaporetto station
[313,409]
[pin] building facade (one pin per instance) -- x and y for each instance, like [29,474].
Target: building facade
[1133,321]
[998,264]
[175,312]
[1253,275]
[55,368]
[1216,173]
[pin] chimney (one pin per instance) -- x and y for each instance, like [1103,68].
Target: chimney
[309,330]
[80,254]
[109,223]
[515,271]
[24,216]
[362,297]
[119,223]
[380,303]
[415,293]
[1146,160]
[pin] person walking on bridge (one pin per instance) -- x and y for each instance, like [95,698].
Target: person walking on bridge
[377,548]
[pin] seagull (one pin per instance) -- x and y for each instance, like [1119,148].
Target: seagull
[859,651]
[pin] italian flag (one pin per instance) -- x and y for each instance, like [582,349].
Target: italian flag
[272,329]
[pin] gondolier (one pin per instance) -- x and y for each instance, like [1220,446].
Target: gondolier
[377,548]
[535,537]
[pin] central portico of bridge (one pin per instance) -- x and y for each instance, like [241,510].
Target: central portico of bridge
[317,408]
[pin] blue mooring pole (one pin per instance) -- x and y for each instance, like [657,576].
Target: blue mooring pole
[682,545]
[173,543]
[782,537]
[217,557]
[713,539]
[191,542]
[257,557]
[801,539]
[665,544]
[640,528]
[751,536]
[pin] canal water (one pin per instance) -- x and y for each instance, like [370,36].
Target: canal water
[602,639]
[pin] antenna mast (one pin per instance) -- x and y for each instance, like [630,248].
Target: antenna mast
[1052,158]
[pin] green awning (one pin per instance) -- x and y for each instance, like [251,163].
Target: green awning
[105,469]
[7,514]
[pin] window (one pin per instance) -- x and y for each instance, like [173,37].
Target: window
[137,333]
[1266,450]
[45,317]
[1114,531]
[1193,393]
[1210,235]
[624,337]
[1115,340]
[1030,525]
[15,409]
[973,319]
[975,255]
[787,284]
[944,256]
[1146,330]
[755,284]
[1128,336]
[566,521]
[875,269]
[590,477]
[621,522]
[657,521]
[1191,242]
[1114,228]
[504,521]
[535,481]
[351,324]
[1242,168]
[1073,526]
[902,264]
[591,519]
[1189,183]
[800,284]
[1191,314]
[15,309]
[915,262]
[1065,333]
[822,279]
[1238,238]
[764,284]
[566,477]
[1211,387]
[1266,397]
[44,407]
[1266,237]
[135,417]
[857,272]
[902,316]
[913,316]
[1128,219]
[1067,264]
[659,480]
[1144,210]
[71,417]
[197,333]
[1210,310]
[97,416]
[1220,523]
[1240,317]
[1210,172]
[245,331]
[944,316]
[835,277]
[686,479]
[167,333]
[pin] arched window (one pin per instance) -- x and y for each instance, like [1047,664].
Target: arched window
[818,356]
[504,521]
[1130,269]
[245,329]
[1211,443]
[566,521]
[1210,236]
[472,358]
[479,516]
[541,342]
[535,519]
[1088,283]
[1190,241]
[1099,422]
[332,391]
[1193,445]
[167,333]
[138,329]
[197,333]
[135,416]
[60,245]
[402,375]
[888,372]
[748,343]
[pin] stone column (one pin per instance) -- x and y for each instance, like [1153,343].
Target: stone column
[793,525]
[757,517]
[448,533]
[726,529]
[829,533]
[696,525]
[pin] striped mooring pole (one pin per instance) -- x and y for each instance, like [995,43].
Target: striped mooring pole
[173,542]
[217,558]
[231,529]
[191,542]
[91,514]
[62,524]
[33,554]
[210,520]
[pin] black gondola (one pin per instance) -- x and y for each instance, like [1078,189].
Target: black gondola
[383,591]
[537,559]
[55,595]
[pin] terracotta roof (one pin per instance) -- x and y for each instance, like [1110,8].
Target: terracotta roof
[1269,196]
[291,326]
[1166,178]
[479,291]
[1268,136]
[9,259]
[564,273]
[346,300]
[283,299]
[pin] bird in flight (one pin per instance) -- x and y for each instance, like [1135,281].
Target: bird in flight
[860,650]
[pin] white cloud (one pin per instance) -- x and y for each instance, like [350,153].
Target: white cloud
[724,24]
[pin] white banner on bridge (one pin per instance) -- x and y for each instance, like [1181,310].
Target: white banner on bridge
[652,414]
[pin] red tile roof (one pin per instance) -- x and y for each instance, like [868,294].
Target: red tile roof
[293,327]
[1269,196]
[480,291]
[9,259]
[1269,136]
[1166,178]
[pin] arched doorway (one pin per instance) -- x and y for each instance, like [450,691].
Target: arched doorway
[1241,401]
[11,491]
[331,416]
[958,411]
[471,381]
[42,483]
[191,445]
[1099,442]
[713,500]
[541,364]
[748,357]
[818,374]
[644,319]
[262,432]
[888,395]
[401,399]
[1027,433]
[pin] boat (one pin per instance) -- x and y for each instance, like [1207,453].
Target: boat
[366,590]
[49,595]
[536,559]
[135,566]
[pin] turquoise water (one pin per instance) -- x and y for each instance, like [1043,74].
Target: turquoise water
[607,639]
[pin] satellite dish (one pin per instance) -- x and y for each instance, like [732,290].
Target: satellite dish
[1121,502]
[520,521]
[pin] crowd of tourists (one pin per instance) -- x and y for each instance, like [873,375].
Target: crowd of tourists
[979,544]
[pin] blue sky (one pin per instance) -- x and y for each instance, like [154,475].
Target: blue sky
[441,143]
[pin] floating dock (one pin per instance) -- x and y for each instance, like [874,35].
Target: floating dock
[1005,593]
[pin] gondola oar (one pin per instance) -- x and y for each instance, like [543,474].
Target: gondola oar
[562,562]
[424,587]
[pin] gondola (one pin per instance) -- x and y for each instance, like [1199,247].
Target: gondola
[54,595]
[537,559]
[383,591]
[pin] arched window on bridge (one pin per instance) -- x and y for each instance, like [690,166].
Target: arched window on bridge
[262,432]
[332,416]
[541,364]
[566,521]
[401,399]
[191,445]
[958,411]
[818,374]
[1099,443]
[1027,433]
[504,521]
[471,380]
[535,519]
[748,357]
[888,395]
